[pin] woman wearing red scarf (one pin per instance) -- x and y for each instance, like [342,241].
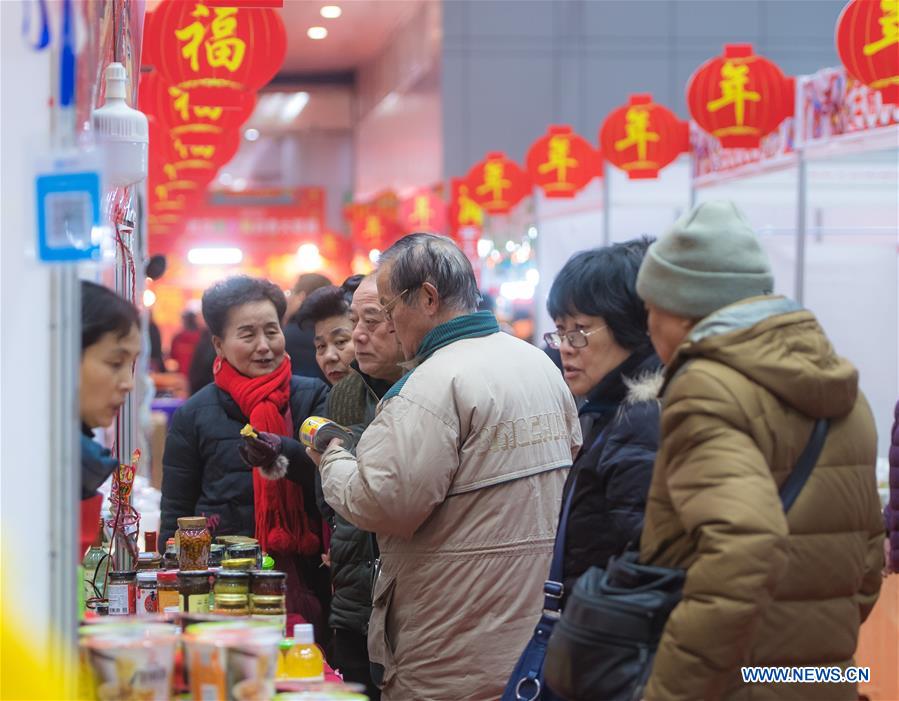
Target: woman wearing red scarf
[210,470]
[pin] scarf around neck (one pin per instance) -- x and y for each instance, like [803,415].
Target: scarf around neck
[282,525]
[474,325]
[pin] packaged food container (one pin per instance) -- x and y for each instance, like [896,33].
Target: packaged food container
[129,660]
[269,608]
[194,590]
[231,662]
[122,593]
[232,604]
[268,583]
[167,589]
[243,551]
[194,543]
[317,433]
[232,582]
[149,561]
[147,594]
[170,557]
[216,554]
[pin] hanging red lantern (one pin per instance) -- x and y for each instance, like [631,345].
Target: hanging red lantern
[643,137]
[562,163]
[423,211]
[868,44]
[740,97]
[497,183]
[192,123]
[210,49]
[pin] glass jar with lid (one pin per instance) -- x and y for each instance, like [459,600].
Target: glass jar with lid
[242,551]
[216,554]
[194,541]
[170,557]
[194,590]
[147,593]
[232,604]
[232,582]
[122,593]
[167,590]
[270,609]
[268,583]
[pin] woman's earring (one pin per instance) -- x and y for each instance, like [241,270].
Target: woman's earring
[217,365]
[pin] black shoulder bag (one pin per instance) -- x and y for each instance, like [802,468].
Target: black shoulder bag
[604,644]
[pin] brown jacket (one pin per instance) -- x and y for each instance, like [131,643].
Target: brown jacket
[762,588]
[460,475]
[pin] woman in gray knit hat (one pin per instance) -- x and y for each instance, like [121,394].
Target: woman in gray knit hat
[748,374]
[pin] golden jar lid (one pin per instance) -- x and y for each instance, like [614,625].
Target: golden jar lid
[240,563]
[191,522]
[230,599]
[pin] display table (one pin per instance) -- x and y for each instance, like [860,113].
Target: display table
[878,645]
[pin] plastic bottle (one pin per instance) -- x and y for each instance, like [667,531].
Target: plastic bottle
[95,566]
[304,659]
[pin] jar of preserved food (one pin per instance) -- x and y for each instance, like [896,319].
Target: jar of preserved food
[122,593]
[170,558]
[245,564]
[268,583]
[216,554]
[147,593]
[194,539]
[232,604]
[194,590]
[167,590]
[232,582]
[271,609]
[242,551]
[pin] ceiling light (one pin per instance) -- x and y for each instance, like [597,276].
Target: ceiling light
[316,33]
[484,247]
[294,106]
[331,11]
[251,134]
[226,179]
[215,256]
[149,298]
[373,255]
[239,184]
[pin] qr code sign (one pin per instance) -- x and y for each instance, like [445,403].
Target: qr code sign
[69,219]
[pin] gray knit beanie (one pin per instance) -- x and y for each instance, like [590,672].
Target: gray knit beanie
[710,258]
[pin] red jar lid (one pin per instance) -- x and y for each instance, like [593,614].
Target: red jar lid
[168,576]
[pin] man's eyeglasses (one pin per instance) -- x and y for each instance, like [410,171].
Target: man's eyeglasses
[576,339]
[388,308]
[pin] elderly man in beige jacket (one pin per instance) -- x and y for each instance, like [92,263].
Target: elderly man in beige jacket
[460,476]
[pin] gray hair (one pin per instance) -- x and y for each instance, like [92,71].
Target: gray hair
[419,258]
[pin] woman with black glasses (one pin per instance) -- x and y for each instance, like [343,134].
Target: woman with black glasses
[609,364]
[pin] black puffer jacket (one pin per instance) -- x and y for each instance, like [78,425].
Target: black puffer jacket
[203,473]
[352,403]
[620,423]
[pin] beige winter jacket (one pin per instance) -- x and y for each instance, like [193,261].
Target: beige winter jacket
[460,476]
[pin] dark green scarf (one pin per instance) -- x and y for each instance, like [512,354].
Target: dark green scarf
[467,326]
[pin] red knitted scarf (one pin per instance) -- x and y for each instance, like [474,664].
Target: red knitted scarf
[281,522]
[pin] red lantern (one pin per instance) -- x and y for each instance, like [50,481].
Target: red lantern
[740,97]
[868,44]
[424,211]
[562,163]
[643,137]
[221,49]
[192,123]
[497,183]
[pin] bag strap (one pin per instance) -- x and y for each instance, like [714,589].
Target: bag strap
[796,480]
[553,588]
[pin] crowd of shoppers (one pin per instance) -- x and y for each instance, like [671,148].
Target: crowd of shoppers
[686,394]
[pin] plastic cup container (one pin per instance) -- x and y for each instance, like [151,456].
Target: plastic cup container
[130,660]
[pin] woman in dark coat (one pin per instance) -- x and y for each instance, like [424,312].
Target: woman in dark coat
[609,362]
[891,512]
[210,470]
